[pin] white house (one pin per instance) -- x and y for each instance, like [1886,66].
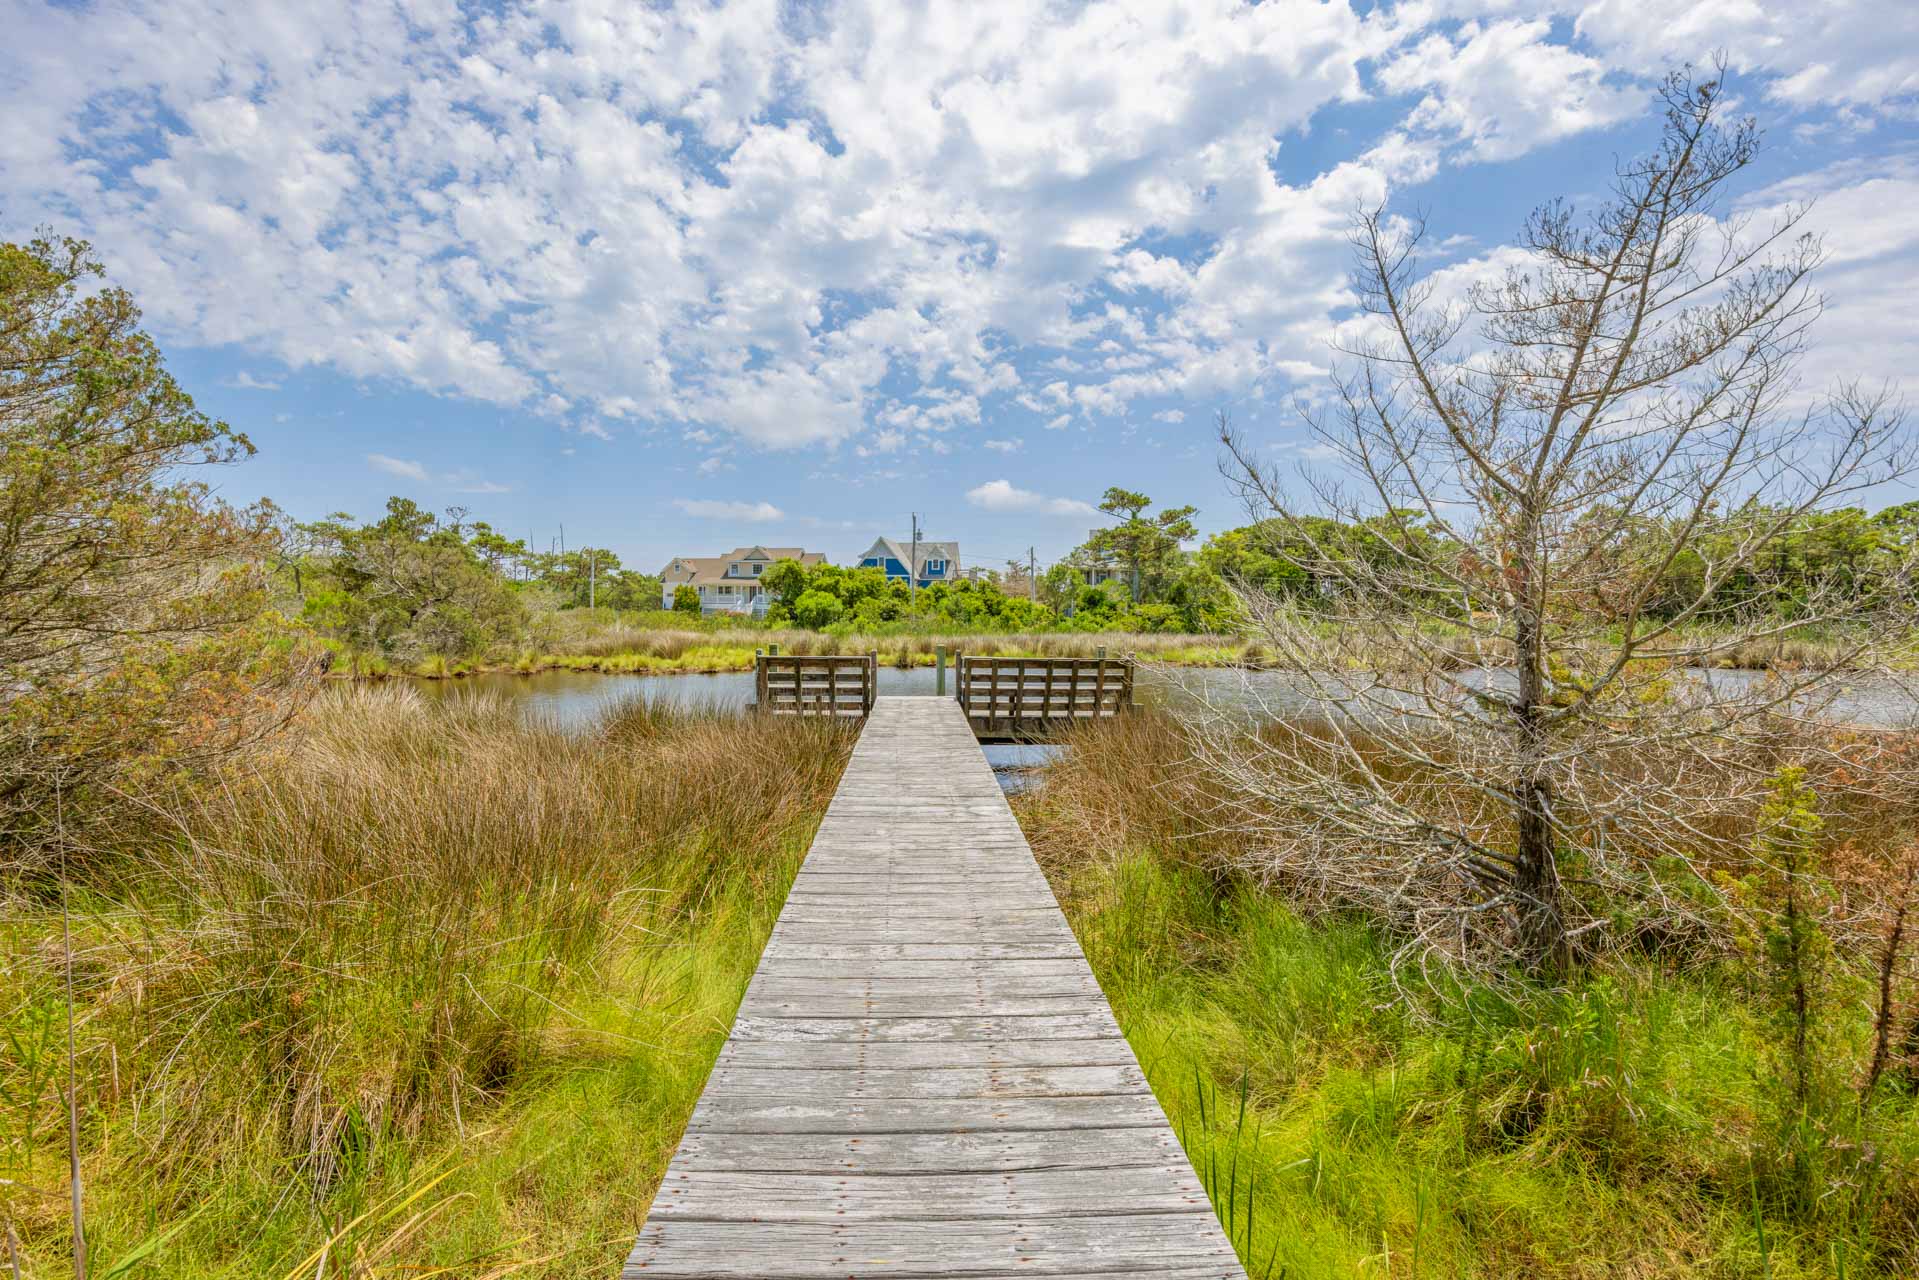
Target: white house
[938,561]
[730,583]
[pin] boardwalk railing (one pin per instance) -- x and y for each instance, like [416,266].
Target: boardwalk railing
[822,685]
[1033,697]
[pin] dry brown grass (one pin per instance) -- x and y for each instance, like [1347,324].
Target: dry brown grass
[1132,785]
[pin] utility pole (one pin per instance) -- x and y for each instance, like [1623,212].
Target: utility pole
[913,566]
[1032,573]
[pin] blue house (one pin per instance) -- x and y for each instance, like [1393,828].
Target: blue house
[938,561]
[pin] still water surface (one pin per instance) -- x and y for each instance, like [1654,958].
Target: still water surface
[574,700]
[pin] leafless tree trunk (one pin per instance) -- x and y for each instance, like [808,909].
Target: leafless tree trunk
[1495,671]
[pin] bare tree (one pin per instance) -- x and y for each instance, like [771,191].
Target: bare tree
[1516,501]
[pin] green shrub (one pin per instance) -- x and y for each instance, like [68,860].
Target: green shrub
[817,609]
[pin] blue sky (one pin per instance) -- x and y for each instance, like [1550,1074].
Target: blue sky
[681,278]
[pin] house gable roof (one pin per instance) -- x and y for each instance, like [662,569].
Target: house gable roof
[890,548]
[776,553]
[699,571]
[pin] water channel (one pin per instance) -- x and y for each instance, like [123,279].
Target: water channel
[574,699]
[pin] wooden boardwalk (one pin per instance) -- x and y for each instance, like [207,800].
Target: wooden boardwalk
[924,1079]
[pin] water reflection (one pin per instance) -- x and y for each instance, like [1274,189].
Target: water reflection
[1864,701]
[574,699]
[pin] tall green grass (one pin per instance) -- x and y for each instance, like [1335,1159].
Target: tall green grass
[435,988]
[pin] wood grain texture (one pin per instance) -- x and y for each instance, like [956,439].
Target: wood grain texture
[924,1079]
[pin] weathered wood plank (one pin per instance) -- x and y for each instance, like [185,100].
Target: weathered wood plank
[893,1054]
[855,969]
[844,1197]
[785,984]
[924,1078]
[861,1083]
[1091,1151]
[1115,1244]
[901,952]
[734,1113]
[1049,1026]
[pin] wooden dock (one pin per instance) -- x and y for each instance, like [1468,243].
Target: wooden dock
[924,1079]
[1002,699]
[1036,699]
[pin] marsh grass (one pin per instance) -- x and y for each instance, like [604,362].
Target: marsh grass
[618,648]
[658,644]
[431,960]
[1350,1116]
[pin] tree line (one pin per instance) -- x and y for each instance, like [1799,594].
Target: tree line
[412,585]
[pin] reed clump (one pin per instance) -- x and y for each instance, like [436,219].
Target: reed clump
[302,987]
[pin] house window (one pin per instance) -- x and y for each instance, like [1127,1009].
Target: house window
[936,566]
[757,568]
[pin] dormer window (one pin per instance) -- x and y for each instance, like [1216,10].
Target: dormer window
[936,566]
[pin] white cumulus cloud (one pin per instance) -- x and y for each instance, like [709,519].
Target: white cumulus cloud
[458,481]
[808,229]
[714,509]
[1506,88]
[400,467]
[1003,496]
